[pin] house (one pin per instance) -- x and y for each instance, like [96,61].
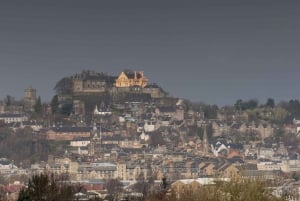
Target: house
[265,153]
[7,167]
[131,170]
[68,133]
[112,140]
[239,127]
[190,170]
[101,112]
[131,78]
[290,128]
[208,169]
[265,130]
[229,170]
[193,184]
[12,190]
[219,128]
[250,171]
[165,121]
[150,126]
[182,185]
[130,143]
[13,118]
[260,174]
[94,185]
[31,124]
[268,165]
[290,165]
[97,170]
[80,142]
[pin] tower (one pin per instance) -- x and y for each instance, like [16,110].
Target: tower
[92,148]
[95,132]
[29,99]
[205,141]
[95,140]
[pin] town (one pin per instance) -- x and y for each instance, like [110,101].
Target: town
[123,129]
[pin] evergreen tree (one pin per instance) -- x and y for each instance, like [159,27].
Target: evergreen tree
[24,195]
[54,104]
[38,108]
[270,103]
[246,105]
[210,111]
[9,100]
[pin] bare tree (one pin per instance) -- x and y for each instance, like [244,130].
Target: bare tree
[114,187]
[48,188]
[3,194]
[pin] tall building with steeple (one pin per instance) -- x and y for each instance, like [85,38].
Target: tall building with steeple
[96,139]
[205,144]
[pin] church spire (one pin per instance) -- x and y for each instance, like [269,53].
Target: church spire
[205,141]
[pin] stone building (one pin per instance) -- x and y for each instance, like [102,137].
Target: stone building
[91,82]
[67,133]
[97,170]
[131,170]
[29,99]
[131,78]
[13,118]
[154,90]
[79,107]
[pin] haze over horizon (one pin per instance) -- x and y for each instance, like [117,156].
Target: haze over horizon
[210,51]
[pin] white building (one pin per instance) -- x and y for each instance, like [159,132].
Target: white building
[269,165]
[13,118]
[80,143]
[266,153]
[290,165]
[149,126]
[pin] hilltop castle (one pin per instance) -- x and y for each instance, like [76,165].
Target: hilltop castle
[90,82]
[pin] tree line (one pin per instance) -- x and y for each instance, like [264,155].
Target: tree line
[50,187]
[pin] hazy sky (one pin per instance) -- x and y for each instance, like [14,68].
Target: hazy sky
[211,51]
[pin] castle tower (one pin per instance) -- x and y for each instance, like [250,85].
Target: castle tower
[29,99]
